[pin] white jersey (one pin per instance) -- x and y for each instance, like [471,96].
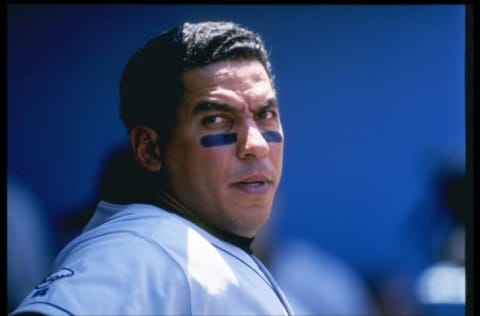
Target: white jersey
[139,259]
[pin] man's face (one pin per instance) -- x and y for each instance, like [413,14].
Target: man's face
[225,158]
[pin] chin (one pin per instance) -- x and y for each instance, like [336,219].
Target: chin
[258,218]
[247,219]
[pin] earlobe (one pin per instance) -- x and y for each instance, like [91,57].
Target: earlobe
[144,141]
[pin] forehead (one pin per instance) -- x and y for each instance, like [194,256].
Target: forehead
[244,80]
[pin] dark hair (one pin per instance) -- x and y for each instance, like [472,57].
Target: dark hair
[151,86]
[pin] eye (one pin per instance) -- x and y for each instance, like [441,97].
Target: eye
[216,121]
[266,115]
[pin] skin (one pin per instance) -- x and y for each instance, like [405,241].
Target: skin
[228,187]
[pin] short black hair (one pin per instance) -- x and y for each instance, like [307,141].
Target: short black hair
[151,86]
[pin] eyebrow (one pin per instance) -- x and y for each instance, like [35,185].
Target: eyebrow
[222,107]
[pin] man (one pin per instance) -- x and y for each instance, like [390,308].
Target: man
[203,120]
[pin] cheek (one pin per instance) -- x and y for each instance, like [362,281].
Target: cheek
[210,162]
[222,168]
[276,154]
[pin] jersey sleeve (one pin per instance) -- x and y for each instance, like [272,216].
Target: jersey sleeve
[115,274]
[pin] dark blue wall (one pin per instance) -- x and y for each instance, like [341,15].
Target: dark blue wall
[370,97]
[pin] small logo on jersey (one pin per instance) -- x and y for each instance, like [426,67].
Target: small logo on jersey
[40,292]
[60,274]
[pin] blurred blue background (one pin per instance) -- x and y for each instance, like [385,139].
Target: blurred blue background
[372,100]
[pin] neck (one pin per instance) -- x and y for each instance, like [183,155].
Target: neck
[170,203]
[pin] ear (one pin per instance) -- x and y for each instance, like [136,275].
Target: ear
[144,141]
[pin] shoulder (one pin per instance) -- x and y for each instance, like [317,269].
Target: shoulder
[141,227]
[118,267]
[139,240]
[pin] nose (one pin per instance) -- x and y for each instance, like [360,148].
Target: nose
[252,144]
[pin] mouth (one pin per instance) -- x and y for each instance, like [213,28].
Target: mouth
[258,184]
[253,184]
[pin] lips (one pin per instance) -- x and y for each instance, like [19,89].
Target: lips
[254,184]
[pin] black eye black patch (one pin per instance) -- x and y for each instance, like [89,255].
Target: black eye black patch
[227,139]
[272,137]
[218,139]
